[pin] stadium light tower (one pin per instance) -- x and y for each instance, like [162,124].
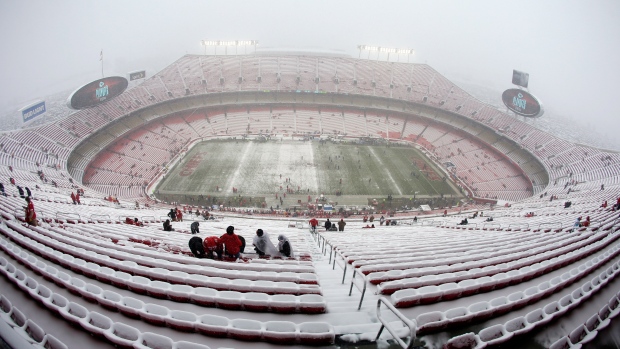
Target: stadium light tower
[387,50]
[226,43]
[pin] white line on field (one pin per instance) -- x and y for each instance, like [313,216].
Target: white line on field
[400,192]
[241,163]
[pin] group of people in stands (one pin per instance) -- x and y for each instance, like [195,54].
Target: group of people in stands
[175,215]
[231,245]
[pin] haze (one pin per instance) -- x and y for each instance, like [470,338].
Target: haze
[569,48]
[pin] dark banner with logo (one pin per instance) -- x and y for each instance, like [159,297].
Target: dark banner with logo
[137,75]
[97,92]
[522,102]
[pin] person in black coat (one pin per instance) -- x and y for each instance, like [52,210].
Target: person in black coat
[195,228]
[168,226]
[195,245]
[328,224]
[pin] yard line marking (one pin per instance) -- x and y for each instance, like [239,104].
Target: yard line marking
[241,163]
[400,192]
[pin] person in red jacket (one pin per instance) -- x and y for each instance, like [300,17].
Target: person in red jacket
[212,244]
[231,242]
[31,215]
[313,223]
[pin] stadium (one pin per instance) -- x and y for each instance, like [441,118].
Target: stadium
[252,138]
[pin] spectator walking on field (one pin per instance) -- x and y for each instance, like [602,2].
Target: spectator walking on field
[341,224]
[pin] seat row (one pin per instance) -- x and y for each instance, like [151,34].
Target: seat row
[486,257]
[20,332]
[502,333]
[458,253]
[163,260]
[283,332]
[174,243]
[492,265]
[495,276]
[252,300]
[432,294]
[130,274]
[587,331]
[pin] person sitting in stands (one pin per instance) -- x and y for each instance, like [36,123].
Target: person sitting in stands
[381,220]
[137,223]
[195,245]
[73,198]
[284,246]
[577,223]
[77,198]
[2,189]
[490,219]
[604,205]
[463,222]
[195,228]
[231,242]
[212,244]
[368,226]
[263,245]
[168,225]
[371,218]
[586,223]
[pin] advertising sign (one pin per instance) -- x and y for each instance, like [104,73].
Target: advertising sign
[97,92]
[32,111]
[522,103]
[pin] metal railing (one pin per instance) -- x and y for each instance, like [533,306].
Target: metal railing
[550,226]
[343,265]
[68,216]
[410,323]
[361,288]
[100,217]
[490,225]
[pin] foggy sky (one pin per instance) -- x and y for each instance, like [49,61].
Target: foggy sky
[570,48]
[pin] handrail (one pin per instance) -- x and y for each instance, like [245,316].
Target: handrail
[151,219]
[519,225]
[103,217]
[490,225]
[410,323]
[62,215]
[546,225]
[344,264]
[363,289]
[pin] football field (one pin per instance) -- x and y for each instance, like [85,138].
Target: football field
[255,168]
